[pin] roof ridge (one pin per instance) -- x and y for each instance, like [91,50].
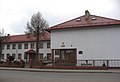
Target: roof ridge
[17,35]
[26,34]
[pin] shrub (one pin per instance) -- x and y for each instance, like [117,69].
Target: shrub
[16,62]
[11,58]
[1,62]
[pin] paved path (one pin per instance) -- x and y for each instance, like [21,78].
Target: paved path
[62,70]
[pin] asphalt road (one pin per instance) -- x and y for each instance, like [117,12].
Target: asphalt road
[22,76]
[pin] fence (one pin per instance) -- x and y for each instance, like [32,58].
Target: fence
[108,63]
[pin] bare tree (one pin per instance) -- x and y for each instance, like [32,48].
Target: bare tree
[35,27]
[2,38]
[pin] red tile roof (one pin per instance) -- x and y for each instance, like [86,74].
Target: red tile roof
[24,38]
[82,21]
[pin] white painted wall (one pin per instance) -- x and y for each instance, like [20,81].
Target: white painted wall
[96,43]
[44,50]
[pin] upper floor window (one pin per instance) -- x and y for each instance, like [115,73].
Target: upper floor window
[13,46]
[25,46]
[48,44]
[41,45]
[32,45]
[8,46]
[19,46]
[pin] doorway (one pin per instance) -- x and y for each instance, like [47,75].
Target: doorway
[67,57]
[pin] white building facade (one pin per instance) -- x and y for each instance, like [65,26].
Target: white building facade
[94,43]
[88,37]
[17,45]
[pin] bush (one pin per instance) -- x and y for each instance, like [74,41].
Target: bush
[16,62]
[11,58]
[1,62]
[22,63]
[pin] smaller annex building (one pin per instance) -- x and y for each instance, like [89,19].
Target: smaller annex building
[88,37]
[24,47]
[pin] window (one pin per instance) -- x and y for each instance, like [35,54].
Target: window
[2,56]
[25,56]
[8,55]
[25,46]
[78,20]
[80,52]
[13,55]
[8,46]
[57,52]
[93,18]
[19,56]
[32,46]
[13,46]
[41,45]
[62,55]
[40,56]
[48,56]
[19,46]
[48,44]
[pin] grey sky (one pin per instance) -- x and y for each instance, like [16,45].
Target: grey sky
[15,13]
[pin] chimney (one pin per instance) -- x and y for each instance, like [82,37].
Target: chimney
[87,15]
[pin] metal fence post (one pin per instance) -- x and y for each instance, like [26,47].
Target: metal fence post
[107,63]
[93,62]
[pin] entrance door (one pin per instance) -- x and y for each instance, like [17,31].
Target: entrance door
[32,56]
[68,57]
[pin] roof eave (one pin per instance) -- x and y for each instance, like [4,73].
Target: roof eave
[82,26]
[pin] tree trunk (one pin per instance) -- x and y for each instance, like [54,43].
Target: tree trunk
[37,50]
[0,50]
[37,45]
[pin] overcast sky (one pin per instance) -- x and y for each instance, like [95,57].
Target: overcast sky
[15,13]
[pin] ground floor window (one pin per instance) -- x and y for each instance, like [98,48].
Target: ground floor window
[25,56]
[8,55]
[13,55]
[62,55]
[19,56]
[2,57]
[48,56]
[40,56]
[57,52]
